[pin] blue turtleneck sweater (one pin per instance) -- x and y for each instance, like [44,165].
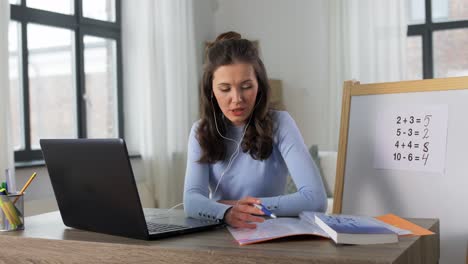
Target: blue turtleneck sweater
[265,179]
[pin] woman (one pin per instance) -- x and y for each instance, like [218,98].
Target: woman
[240,152]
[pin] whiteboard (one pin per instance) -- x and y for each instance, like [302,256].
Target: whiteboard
[366,189]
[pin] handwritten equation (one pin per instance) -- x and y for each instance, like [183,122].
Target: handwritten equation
[412,139]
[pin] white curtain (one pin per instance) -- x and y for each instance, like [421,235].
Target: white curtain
[161,89]
[6,144]
[367,43]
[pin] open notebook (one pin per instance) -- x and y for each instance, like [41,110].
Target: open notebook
[304,225]
[276,228]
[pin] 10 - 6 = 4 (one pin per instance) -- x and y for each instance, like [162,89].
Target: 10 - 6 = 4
[397,156]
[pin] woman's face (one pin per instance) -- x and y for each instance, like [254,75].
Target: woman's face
[235,88]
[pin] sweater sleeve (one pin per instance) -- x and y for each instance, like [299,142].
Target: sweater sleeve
[197,203]
[310,195]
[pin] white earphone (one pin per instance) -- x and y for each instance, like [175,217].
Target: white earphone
[236,152]
[231,159]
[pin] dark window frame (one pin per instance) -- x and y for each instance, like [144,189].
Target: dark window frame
[80,26]
[425,31]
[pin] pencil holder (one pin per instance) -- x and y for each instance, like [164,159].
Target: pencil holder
[11,212]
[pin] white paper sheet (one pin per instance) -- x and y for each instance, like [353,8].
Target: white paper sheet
[413,138]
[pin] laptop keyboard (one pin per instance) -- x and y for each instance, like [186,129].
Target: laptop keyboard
[160,228]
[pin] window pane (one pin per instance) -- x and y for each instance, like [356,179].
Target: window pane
[51,83]
[59,6]
[449,10]
[450,53]
[16,91]
[99,9]
[416,12]
[101,87]
[414,58]
[15,2]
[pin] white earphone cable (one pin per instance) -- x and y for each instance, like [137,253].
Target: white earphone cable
[237,151]
[233,156]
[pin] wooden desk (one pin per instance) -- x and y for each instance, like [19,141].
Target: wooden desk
[47,240]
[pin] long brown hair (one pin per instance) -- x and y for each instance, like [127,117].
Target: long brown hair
[230,48]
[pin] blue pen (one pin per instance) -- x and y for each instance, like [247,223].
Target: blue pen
[264,210]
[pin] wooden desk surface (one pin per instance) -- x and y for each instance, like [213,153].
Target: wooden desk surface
[47,240]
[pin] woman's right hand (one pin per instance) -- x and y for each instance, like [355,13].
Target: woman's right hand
[242,214]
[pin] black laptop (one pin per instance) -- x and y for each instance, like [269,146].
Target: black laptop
[96,191]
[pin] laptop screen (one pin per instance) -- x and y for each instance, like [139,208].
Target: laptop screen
[94,185]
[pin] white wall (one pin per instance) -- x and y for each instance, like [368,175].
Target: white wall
[293,39]
[203,16]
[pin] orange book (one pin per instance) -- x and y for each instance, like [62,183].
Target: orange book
[399,222]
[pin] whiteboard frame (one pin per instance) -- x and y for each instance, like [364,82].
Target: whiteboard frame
[354,88]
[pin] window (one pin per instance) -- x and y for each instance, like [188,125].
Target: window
[437,38]
[65,72]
